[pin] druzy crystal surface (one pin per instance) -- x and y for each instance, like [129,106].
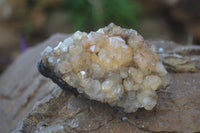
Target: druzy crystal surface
[112,65]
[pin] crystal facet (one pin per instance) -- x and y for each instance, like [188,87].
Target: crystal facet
[113,65]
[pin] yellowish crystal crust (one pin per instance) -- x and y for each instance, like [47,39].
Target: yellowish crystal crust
[112,65]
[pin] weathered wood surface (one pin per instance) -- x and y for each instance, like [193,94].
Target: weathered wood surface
[21,87]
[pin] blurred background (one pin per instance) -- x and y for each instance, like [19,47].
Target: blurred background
[25,23]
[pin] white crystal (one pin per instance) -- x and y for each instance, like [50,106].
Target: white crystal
[92,48]
[48,49]
[152,82]
[147,99]
[77,35]
[112,65]
[128,84]
[136,75]
[68,41]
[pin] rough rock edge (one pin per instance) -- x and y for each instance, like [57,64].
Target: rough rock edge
[59,81]
[168,48]
[25,125]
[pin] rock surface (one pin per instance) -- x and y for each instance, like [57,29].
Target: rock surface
[58,111]
[21,86]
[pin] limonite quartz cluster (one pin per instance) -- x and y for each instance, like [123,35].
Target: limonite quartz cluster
[112,65]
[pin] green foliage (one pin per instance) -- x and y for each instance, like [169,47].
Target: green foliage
[92,14]
[79,12]
[122,12]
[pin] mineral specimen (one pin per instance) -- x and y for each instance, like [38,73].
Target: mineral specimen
[112,65]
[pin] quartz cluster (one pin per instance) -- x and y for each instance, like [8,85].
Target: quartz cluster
[112,65]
